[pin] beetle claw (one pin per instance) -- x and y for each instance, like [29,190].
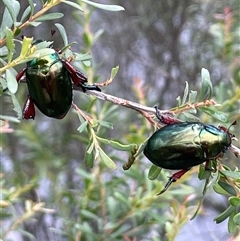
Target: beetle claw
[174,178]
[170,181]
[89,87]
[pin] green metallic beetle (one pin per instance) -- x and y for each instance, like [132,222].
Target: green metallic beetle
[50,80]
[183,145]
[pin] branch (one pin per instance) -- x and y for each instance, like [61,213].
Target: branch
[148,112]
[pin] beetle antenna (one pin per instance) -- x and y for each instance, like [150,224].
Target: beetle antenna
[227,129]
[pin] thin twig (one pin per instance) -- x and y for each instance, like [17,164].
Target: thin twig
[148,112]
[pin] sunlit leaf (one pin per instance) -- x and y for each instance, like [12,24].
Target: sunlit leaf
[234,201]
[3,51]
[192,97]
[11,80]
[104,6]
[26,45]
[206,86]
[117,145]
[114,72]
[82,127]
[63,33]
[107,160]
[234,175]
[236,219]
[13,8]
[179,100]
[216,114]
[50,16]
[154,171]
[28,11]
[10,43]
[186,90]
[75,5]
[34,24]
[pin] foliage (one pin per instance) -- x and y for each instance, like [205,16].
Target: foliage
[101,203]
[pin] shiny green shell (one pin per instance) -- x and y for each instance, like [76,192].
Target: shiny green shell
[49,85]
[187,144]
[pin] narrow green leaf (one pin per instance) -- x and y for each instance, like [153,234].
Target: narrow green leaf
[83,57]
[89,159]
[89,155]
[220,218]
[123,198]
[17,108]
[190,116]
[75,5]
[236,219]
[234,175]
[85,174]
[186,90]
[28,11]
[203,173]
[43,45]
[97,35]
[154,171]
[192,97]
[17,32]
[107,160]
[9,118]
[234,201]
[216,114]
[63,33]
[7,22]
[90,146]
[82,127]
[231,224]
[198,208]
[35,24]
[3,51]
[106,124]
[227,187]
[10,43]
[89,215]
[179,101]
[13,8]
[41,52]
[218,189]
[104,6]
[26,45]
[206,88]
[49,16]
[114,71]
[11,80]
[3,84]
[32,6]
[117,145]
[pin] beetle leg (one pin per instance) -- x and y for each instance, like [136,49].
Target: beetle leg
[77,77]
[29,109]
[20,74]
[90,87]
[166,120]
[174,178]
